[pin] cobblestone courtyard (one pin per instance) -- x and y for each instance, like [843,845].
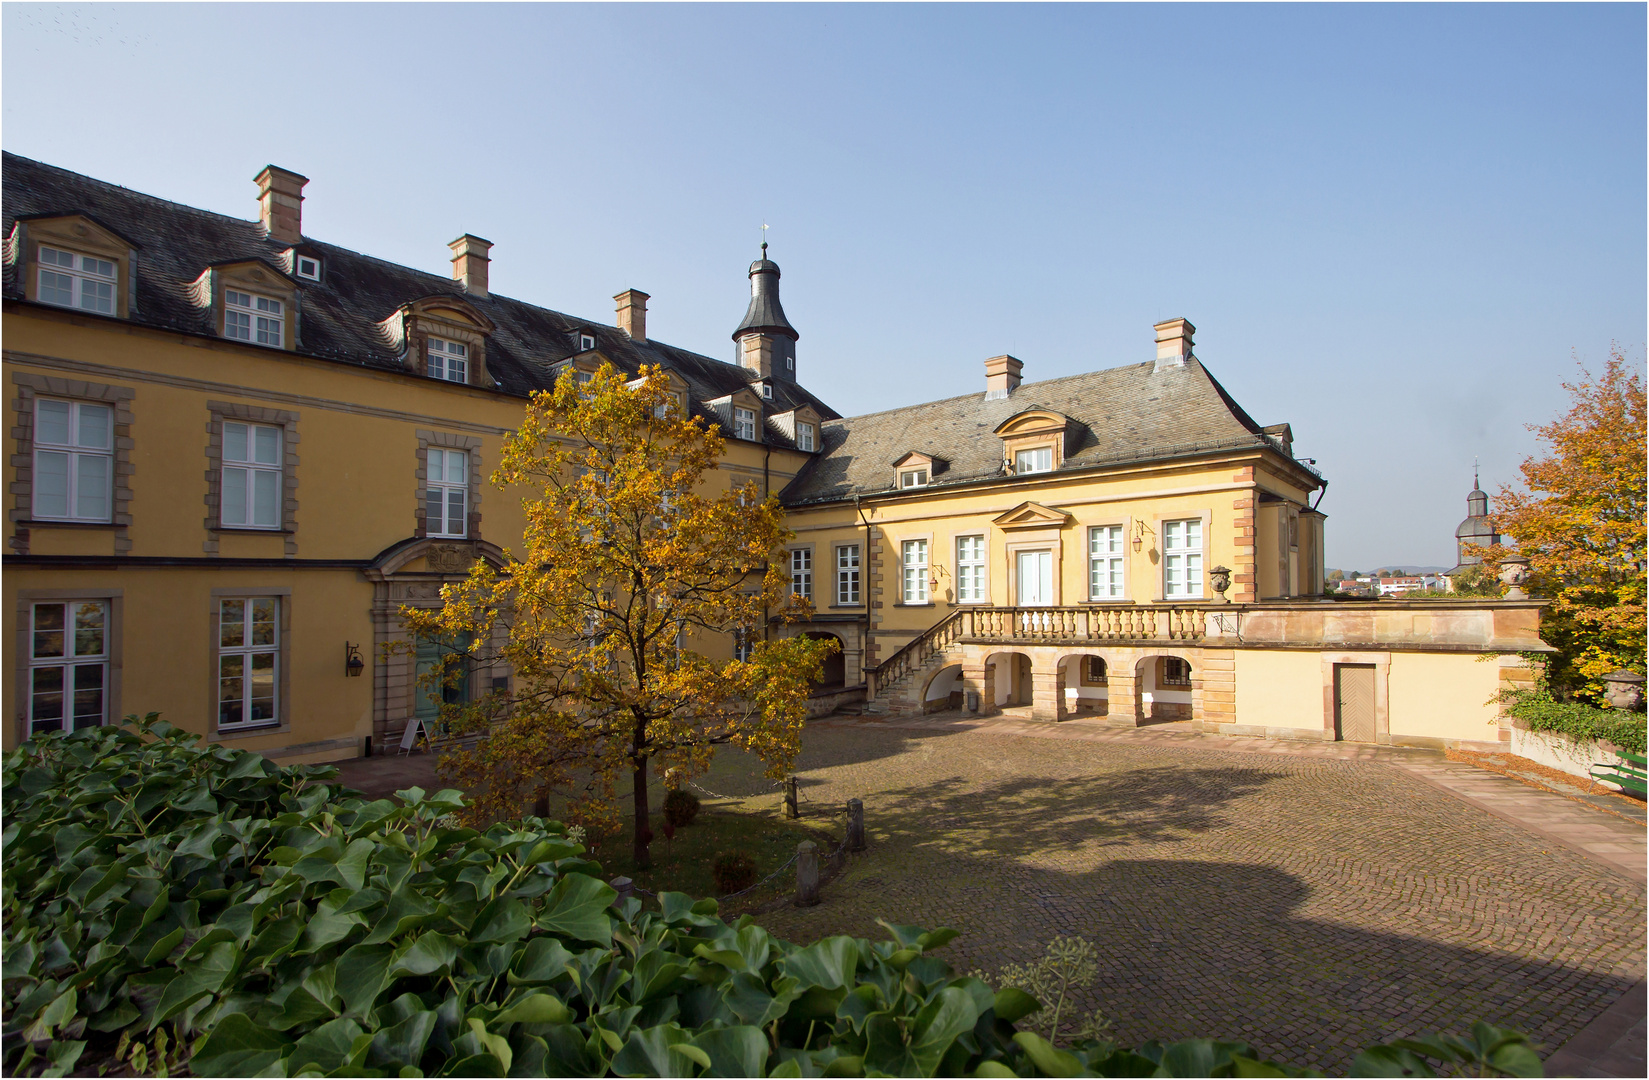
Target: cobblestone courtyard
[1306,905]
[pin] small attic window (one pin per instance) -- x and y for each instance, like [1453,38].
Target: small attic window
[309,268]
[586,342]
[913,478]
[767,391]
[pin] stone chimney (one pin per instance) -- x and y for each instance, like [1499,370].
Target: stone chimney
[1001,377]
[280,203]
[1173,344]
[469,264]
[632,313]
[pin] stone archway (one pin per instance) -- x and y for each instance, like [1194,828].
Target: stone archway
[1008,680]
[1084,685]
[410,574]
[944,690]
[1165,688]
[833,675]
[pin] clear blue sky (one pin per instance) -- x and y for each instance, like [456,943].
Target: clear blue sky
[1392,225]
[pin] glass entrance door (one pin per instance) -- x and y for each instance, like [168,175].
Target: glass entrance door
[429,699]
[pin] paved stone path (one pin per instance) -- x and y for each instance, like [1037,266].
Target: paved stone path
[1308,899]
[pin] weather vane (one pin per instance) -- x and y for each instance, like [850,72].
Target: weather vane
[764,241]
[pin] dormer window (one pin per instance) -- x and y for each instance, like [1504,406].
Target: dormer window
[913,478]
[586,342]
[78,281]
[744,424]
[767,391]
[448,360]
[252,318]
[804,437]
[308,267]
[1038,459]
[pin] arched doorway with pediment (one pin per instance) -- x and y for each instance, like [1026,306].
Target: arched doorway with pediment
[410,574]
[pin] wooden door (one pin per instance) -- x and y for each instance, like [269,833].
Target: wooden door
[1354,702]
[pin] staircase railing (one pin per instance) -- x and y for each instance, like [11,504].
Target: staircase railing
[901,663]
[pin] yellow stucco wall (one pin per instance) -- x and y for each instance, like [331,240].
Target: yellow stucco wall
[1279,688]
[1444,696]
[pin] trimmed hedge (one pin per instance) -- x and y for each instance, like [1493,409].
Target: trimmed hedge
[177,906]
[1541,712]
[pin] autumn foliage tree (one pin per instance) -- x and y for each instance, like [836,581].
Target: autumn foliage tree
[1581,526]
[616,617]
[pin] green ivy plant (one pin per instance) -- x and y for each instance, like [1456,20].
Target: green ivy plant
[176,907]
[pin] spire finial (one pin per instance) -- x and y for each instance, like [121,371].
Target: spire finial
[1475,485]
[764,240]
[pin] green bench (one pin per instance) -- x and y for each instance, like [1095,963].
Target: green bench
[1630,772]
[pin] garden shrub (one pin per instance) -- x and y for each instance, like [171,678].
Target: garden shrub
[734,871]
[681,807]
[1542,712]
[171,906]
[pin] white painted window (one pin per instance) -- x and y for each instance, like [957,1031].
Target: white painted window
[248,658]
[1105,573]
[804,437]
[801,573]
[1182,558]
[448,360]
[446,492]
[914,563]
[586,342]
[73,460]
[742,646]
[68,665]
[1036,578]
[78,281]
[1038,460]
[251,496]
[662,409]
[257,319]
[309,268]
[744,424]
[767,391]
[912,478]
[847,574]
[970,569]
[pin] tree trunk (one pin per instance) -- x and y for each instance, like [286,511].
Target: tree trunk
[643,833]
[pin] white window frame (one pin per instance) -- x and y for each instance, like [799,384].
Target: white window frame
[801,572]
[313,273]
[913,571]
[70,660]
[1107,562]
[253,472]
[586,342]
[913,478]
[447,360]
[90,286]
[1182,559]
[804,436]
[1040,460]
[744,423]
[247,651]
[847,574]
[767,391]
[972,557]
[441,491]
[78,457]
[743,645]
[255,319]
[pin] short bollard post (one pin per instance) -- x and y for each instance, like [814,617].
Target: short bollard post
[791,809]
[626,888]
[855,825]
[807,874]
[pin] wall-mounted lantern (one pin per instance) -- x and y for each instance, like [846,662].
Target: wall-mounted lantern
[353,664]
[1140,529]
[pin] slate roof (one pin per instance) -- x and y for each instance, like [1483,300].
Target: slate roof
[340,313]
[765,314]
[1119,415]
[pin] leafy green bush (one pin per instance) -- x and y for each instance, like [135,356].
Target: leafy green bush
[734,871]
[1541,712]
[681,807]
[178,906]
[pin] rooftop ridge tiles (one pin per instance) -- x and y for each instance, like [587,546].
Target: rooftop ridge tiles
[1016,398]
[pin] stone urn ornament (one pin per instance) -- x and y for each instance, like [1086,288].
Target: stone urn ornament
[1623,689]
[1514,571]
[1220,578]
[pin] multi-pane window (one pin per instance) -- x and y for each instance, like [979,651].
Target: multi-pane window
[446,492]
[68,665]
[1105,577]
[742,647]
[913,478]
[970,569]
[79,281]
[1095,673]
[1175,672]
[448,360]
[1038,460]
[804,437]
[801,573]
[1182,558]
[847,574]
[73,460]
[248,657]
[744,424]
[913,560]
[252,318]
[251,476]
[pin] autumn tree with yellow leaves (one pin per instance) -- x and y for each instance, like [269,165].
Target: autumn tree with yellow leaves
[1581,526]
[616,617]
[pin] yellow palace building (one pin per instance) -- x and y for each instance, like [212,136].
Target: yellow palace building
[236,453]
